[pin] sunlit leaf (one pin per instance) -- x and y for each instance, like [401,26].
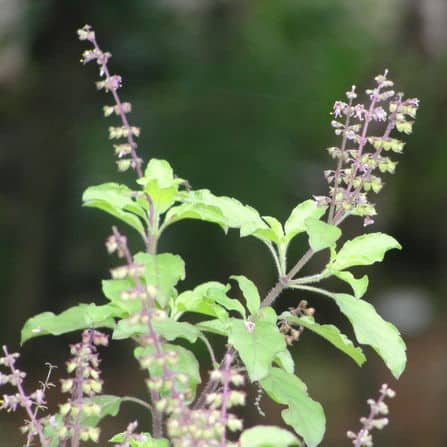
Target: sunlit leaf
[359,286]
[250,292]
[321,234]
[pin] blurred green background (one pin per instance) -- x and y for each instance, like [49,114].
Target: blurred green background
[236,94]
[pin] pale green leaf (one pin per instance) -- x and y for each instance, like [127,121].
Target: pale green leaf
[215,326]
[321,234]
[295,223]
[257,344]
[82,316]
[303,414]
[250,292]
[198,211]
[163,272]
[285,360]
[363,250]
[329,332]
[274,233]
[371,329]
[116,200]
[203,300]
[267,436]
[359,286]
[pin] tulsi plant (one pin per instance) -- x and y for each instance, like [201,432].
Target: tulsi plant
[146,303]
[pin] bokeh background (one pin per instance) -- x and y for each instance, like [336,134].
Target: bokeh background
[236,95]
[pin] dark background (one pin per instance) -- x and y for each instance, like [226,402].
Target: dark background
[236,95]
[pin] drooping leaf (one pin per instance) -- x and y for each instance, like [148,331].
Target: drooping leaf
[295,224]
[82,316]
[257,342]
[267,436]
[329,332]
[303,414]
[235,214]
[250,292]
[116,200]
[371,329]
[321,234]
[163,272]
[186,364]
[359,286]
[363,250]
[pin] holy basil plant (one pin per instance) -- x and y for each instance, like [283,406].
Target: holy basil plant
[144,299]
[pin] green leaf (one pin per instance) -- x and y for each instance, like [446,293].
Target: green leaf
[160,184]
[359,286]
[110,406]
[186,364]
[257,344]
[371,329]
[285,360]
[163,272]
[113,288]
[207,213]
[167,328]
[145,440]
[329,332]
[203,300]
[82,316]
[274,233]
[267,436]
[234,213]
[250,292]
[303,414]
[116,200]
[321,234]
[215,326]
[295,224]
[363,250]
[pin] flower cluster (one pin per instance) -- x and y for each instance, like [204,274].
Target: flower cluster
[376,420]
[207,426]
[366,137]
[126,152]
[32,403]
[84,383]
